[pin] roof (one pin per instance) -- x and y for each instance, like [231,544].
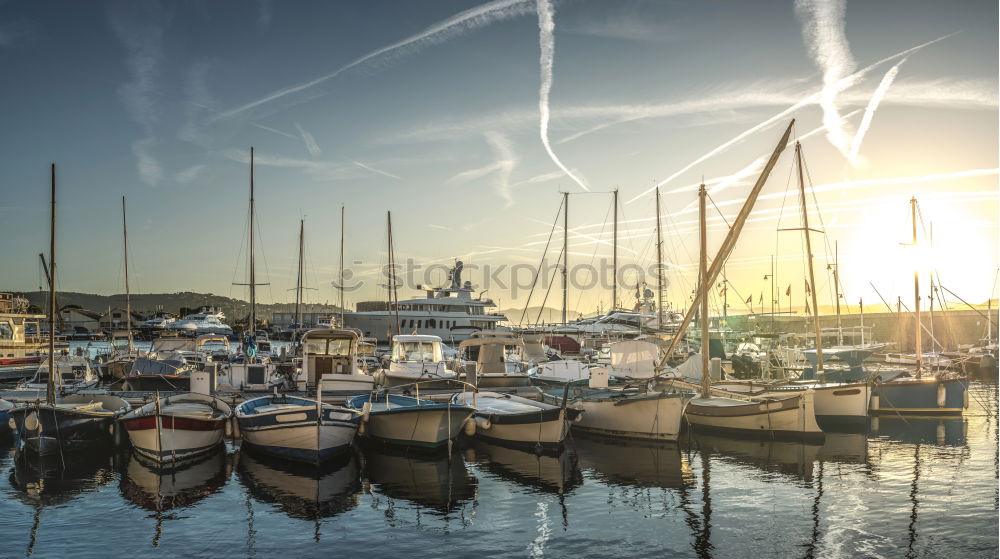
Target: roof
[416,338]
[330,334]
[498,340]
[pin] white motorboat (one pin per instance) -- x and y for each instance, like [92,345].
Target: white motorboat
[496,361]
[209,321]
[330,357]
[73,373]
[417,358]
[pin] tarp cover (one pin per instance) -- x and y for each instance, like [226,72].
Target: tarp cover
[634,359]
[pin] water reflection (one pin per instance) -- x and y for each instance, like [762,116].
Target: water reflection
[634,463]
[299,490]
[546,472]
[439,484]
[157,489]
[41,482]
[916,430]
[787,458]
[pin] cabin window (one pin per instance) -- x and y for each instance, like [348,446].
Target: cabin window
[432,323]
[420,324]
[6,332]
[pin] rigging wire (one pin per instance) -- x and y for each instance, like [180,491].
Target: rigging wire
[539,269]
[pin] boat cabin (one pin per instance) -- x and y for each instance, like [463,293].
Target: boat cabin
[329,351]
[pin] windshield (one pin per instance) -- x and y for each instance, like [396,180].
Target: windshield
[416,351]
[328,347]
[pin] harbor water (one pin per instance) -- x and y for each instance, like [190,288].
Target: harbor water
[907,487]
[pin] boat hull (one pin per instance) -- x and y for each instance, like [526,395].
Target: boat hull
[430,428]
[45,430]
[792,417]
[546,429]
[297,435]
[166,438]
[836,405]
[925,396]
[647,418]
[502,381]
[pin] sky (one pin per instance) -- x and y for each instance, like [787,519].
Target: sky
[467,120]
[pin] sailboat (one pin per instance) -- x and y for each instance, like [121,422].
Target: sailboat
[118,363]
[67,423]
[254,373]
[837,404]
[925,393]
[728,412]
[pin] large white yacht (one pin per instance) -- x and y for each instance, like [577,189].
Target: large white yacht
[209,321]
[450,313]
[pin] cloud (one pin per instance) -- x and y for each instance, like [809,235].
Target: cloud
[544,177]
[15,32]
[454,26]
[378,171]
[199,100]
[846,82]
[274,130]
[140,28]
[187,176]
[547,45]
[265,13]
[866,120]
[309,140]
[823,31]
[501,168]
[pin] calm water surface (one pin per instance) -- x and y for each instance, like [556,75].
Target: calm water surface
[906,488]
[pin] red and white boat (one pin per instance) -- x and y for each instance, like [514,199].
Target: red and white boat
[178,427]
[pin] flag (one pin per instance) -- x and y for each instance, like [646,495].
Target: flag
[789,290]
[761,298]
[750,299]
[808,312]
[723,292]
[808,291]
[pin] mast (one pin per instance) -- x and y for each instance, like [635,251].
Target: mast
[728,243]
[916,288]
[50,387]
[298,279]
[659,263]
[565,252]
[809,255]
[836,290]
[861,307]
[614,258]
[128,298]
[393,295]
[341,264]
[706,380]
[253,284]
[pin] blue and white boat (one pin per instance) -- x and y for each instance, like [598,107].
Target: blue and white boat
[943,394]
[402,420]
[297,428]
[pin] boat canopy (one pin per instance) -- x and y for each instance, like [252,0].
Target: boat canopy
[417,348]
[330,341]
[634,358]
[172,344]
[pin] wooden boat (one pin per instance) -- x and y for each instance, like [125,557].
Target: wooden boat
[837,405]
[297,428]
[71,423]
[71,374]
[792,417]
[402,420]
[497,361]
[176,428]
[629,413]
[515,420]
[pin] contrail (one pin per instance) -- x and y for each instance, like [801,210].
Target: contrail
[470,19]
[848,81]
[374,170]
[309,140]
[823,31]
[547,43]
[866,121]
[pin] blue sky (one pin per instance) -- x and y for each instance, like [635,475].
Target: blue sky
[434,110]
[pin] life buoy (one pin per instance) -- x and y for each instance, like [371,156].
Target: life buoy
[942,395]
